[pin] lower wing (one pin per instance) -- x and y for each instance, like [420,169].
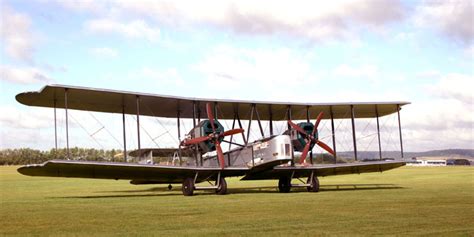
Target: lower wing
[324,170]
[126,171]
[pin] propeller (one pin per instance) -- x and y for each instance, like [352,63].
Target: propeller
[311,138]
[214,137]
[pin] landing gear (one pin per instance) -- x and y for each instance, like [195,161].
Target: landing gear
[313,184]
[188,187]
[284,184]
[221,186]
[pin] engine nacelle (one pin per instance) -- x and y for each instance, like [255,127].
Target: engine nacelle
[203,129]
[297,139]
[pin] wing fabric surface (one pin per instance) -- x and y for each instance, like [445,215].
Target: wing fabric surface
[325,170]
[112,101]
[127,171]
[176,174]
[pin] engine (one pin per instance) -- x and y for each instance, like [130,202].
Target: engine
[203,129]
[297,139]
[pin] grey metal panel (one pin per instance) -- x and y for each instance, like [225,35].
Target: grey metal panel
[127,171]
[325,170]
[112,101]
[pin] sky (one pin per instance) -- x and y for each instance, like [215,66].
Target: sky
[292,51]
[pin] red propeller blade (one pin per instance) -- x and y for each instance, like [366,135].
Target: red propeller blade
[305,152]
[325,147]
[232,132]
[296,127]
[220,154]
[210,116]
[318,119]
[195,140]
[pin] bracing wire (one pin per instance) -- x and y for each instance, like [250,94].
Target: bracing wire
[120,144]
[162,125]
[85,130]
[148,134]
[105,128]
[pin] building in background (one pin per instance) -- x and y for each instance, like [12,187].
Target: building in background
[437,161]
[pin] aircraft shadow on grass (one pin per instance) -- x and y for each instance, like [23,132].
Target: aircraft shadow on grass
[163,191]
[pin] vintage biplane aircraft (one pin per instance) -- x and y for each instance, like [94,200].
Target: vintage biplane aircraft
[271,157]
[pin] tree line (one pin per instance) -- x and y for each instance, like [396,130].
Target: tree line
[23,156]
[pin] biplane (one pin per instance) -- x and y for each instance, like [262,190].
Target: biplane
[270,157]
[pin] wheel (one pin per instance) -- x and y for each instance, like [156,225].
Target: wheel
[314,186]
[188,187]
[222,189]
[170,187]
[284,184]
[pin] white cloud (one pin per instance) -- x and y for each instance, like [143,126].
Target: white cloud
[456,86]
[310,20]
[135,29]
[104,52]
[446,120]
[13,117]
[23,75]
[429,74]
[438,124]
[271,69]
[452,18]
[166,76]
[83,5]
[31,138]
[363,71]
[16,34]
[469,52]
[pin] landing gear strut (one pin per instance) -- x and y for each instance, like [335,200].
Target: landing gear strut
[313,184]
[221,186]
[189,185]
[285,185]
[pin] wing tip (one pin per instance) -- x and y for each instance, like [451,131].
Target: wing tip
[30,170]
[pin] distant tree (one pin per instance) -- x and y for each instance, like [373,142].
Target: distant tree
[24,156]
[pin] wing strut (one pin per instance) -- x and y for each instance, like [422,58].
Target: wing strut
[354,141]
[333,133]
[67,125]
[125,155]
[138,122]
[400,129]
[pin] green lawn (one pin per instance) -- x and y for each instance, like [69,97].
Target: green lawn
[406,201]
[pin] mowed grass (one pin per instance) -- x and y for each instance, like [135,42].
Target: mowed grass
[406,201]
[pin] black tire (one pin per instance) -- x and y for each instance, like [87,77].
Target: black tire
[284,184]
[314,186]
[222,189]
[188,187]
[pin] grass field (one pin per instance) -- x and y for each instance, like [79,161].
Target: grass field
[405,201]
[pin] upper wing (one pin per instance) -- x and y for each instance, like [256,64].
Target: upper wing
[101,100]
[127,171]
[325,170]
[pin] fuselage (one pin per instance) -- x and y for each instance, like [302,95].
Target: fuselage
[259,152]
